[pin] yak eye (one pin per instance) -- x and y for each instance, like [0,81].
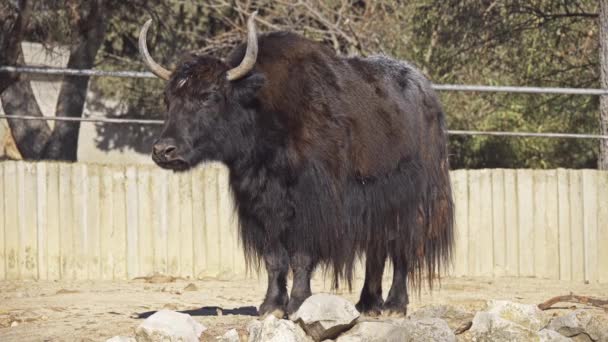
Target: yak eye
[210,97]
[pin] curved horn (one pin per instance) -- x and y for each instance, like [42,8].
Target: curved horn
[250,55]
[156,68]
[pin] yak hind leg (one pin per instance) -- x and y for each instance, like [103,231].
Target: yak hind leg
[370,301]
[397,299]
[302,265]
[277,266]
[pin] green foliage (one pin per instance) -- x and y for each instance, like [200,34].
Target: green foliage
[533,43]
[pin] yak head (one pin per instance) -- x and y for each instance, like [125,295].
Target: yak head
[208,106]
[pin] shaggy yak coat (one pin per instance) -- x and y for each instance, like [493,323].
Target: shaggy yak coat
[331,158]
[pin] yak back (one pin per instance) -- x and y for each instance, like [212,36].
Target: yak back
[357,116]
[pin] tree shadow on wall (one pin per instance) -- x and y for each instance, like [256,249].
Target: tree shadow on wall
[140,103]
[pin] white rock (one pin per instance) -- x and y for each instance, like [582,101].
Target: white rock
[121,339]
[403,330]
[453,315]
[427,329]
[526,315]
[489,326]
[230,336]
[547,335]
[169,326]
[273,329]
[594,324]
[374,331]
[324,316]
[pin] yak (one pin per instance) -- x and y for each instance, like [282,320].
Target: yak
[332,159]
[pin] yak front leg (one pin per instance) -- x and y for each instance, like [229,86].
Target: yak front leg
[302,265]
[277,266]
[370,301]
[397,299]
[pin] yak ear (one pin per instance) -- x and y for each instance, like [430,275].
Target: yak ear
[245,89]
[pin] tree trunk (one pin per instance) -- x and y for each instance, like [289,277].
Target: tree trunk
[603,21]
[13,21]
[31,136]
[63,144]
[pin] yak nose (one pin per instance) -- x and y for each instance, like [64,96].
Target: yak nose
[164,149]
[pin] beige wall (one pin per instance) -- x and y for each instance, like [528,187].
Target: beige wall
[88,221]
[46,91]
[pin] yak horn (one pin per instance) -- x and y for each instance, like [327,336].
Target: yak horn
[156,68]
[250,55]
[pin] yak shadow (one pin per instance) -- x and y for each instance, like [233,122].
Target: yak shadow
[211,311]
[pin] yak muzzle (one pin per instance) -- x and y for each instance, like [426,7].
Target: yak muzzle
[165,153]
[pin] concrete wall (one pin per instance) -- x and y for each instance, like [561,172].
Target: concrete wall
[87,221]
[46,91]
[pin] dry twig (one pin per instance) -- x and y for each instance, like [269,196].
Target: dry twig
[572,298]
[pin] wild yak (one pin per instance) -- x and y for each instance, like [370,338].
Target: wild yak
[331,159]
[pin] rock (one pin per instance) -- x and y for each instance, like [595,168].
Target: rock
[324,316]
[508,321]
[427,329]
[66,291]
[547,335]
[582,322]
[374,331]
[230,336]
[454,316]
[158,278]
[191,287]
[121,339]
[169,326]
[273,329]
[489,326]
[403,330]
[526,315]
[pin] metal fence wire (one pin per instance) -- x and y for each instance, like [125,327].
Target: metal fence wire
[439,87]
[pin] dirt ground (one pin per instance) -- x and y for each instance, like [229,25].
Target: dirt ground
[97,310]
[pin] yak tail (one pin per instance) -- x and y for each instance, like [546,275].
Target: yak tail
[435,221]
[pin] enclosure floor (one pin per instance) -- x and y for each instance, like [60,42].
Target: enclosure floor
[96,310]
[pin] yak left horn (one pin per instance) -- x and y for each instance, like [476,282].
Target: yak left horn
[250,55]
[154,67]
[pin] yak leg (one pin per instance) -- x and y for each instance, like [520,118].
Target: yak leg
[277,266]
[302,266]
[397,299]
[370,301]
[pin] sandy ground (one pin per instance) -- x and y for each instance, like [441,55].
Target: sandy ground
[96,310]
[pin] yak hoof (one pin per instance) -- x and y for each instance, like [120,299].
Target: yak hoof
[394,310]
[370,309]
[278,313]
[272,308]
[294,305]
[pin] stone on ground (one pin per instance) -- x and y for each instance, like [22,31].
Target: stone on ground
[403,330]
[526,315]
[169,326]
[547,335]
[324,316]
[121,339]
[230,336]
[453,315]
[272,329]
[489,326]
[369,331]
[427,329]
[582,322]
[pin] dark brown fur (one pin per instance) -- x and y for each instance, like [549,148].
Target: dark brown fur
[330,158]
